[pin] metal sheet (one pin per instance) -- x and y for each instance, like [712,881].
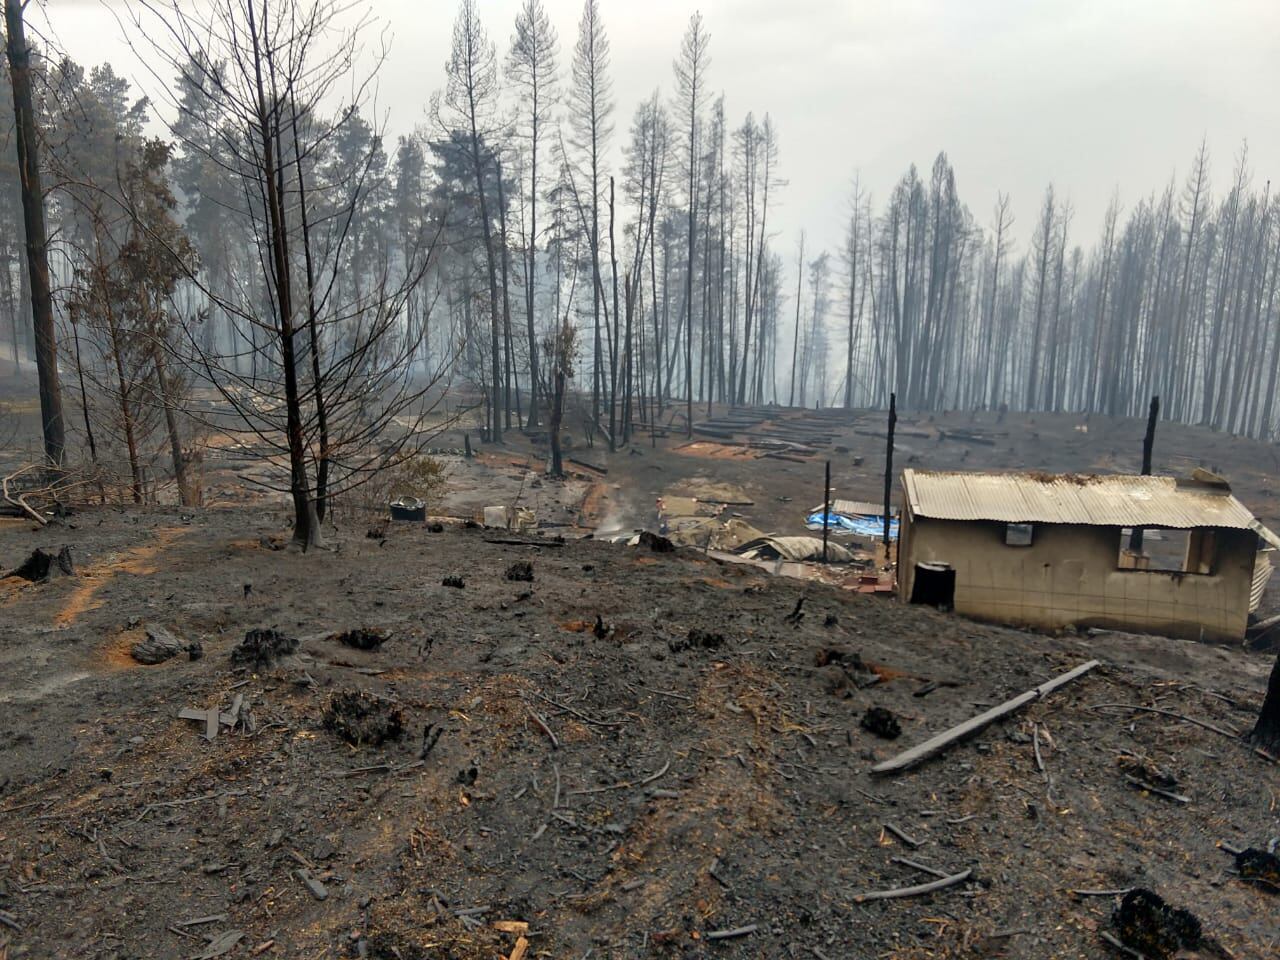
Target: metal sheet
[853,508]
[1110,501]
[796,548]
[1262,570]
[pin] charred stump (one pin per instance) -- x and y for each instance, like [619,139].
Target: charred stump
[1266,732]
[363,719]
[42,566]
[262,649]
[1153,928]
[363,638]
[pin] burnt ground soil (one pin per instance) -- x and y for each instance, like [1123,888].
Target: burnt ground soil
[711,789]
[685,793]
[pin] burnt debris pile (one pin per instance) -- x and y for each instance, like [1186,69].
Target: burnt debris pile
[363,719]
[262,649]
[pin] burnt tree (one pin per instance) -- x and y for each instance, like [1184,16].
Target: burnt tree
[37,239]
[1266,732]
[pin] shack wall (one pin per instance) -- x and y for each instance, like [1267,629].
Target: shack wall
[1070,576]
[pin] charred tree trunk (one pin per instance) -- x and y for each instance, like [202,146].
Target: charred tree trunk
[306,524]
[84,408]
[495,401]
[557,415]
[628,297]
[322,414]
[614,345]
[37,239]
[1266,732]
[795,344]
[126,415]
[512,379]
[169,402]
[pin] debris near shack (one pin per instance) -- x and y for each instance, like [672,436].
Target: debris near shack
[655,542]
[795,549]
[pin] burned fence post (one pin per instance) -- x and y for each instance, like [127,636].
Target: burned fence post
[888,471]
[1148,444]
[826,511]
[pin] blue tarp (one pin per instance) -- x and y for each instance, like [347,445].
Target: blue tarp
[872,527]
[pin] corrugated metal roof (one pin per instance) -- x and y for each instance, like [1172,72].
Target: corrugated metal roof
[853,508]
[795,548]
[1108,501]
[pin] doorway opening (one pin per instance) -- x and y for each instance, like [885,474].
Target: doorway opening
[934,585]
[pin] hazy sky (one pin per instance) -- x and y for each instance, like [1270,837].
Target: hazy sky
[1093,95]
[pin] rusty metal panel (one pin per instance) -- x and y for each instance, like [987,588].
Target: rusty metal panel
[1111,501]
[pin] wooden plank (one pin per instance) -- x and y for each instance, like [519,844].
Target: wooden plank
[945,739]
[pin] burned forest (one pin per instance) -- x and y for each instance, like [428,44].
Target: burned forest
[573,479]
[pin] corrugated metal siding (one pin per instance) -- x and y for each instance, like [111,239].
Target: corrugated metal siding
[1262,570]
[1110,501]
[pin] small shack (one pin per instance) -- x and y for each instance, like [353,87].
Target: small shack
[1051,551]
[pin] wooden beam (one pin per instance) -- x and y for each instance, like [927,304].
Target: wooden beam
[945,739]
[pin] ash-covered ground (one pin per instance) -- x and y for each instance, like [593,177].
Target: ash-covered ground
[636,754]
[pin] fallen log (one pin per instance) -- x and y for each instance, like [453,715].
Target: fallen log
[602,471]
[916,891]
[945,739]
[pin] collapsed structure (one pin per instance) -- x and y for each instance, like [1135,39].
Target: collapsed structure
[1182,558]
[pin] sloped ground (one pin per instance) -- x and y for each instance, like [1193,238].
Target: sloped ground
[686,793]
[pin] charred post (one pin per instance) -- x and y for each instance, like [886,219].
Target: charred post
[1148,444]
[888,470]
[826,511]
